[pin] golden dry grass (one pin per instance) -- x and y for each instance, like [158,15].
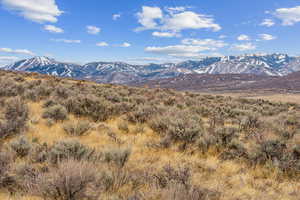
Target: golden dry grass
[235,180]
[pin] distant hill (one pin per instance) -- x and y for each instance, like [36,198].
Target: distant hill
[229,83]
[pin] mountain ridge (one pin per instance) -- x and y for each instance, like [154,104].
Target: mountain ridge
[124,73]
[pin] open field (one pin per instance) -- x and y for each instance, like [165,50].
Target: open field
[275,97]
[70,140]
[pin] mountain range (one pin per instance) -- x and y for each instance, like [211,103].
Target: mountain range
[124,73]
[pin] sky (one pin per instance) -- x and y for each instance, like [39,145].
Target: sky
[144,31]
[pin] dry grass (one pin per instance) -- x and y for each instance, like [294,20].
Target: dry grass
[234,179]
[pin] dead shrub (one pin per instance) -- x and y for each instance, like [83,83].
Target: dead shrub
[5,164]
[70,180]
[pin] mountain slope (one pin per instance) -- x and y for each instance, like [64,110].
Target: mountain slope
[124,73]
[45,65]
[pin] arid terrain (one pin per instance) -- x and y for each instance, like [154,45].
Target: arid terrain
[230,83]
[63,139]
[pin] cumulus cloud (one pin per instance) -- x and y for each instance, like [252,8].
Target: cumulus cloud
[267,37]
[174,20]
[267,23]
[67,41]
[222,36]
[94,30]
[189,20]
[16,51]
[191,48]
[147,18]
[243,37]
[244,47]
[289,16]
[116,16]
[125,44]
[53,29]
[35,10]
[165,34]
[102,44]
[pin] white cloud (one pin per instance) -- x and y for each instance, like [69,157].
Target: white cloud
[189,20]
[267,37]
[244,47]
[174,20]
[222,36]
[116,16]
[102,44]
[191,48]
[16,51]
[289,16]
[243,37]
[147,18]
[213,44]
[67,41]
[94,30]
[8,58]
[125,44]
[53,29]
[173,10]
[165,34]
[35,10]
[267,23]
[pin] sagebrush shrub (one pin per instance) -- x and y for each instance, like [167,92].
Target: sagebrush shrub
[77,128]
[70,149]
[91,106]
[179,125]
[70,180]
[118,156]
[21,146]
[56,112]
[123,126]
[16,116]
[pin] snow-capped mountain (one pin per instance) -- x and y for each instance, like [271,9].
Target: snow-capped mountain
[45,65]
[270,65]
[123,73]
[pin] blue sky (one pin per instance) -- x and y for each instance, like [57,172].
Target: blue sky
[142,31]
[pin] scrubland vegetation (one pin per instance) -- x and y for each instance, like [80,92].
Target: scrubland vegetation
[70,140]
